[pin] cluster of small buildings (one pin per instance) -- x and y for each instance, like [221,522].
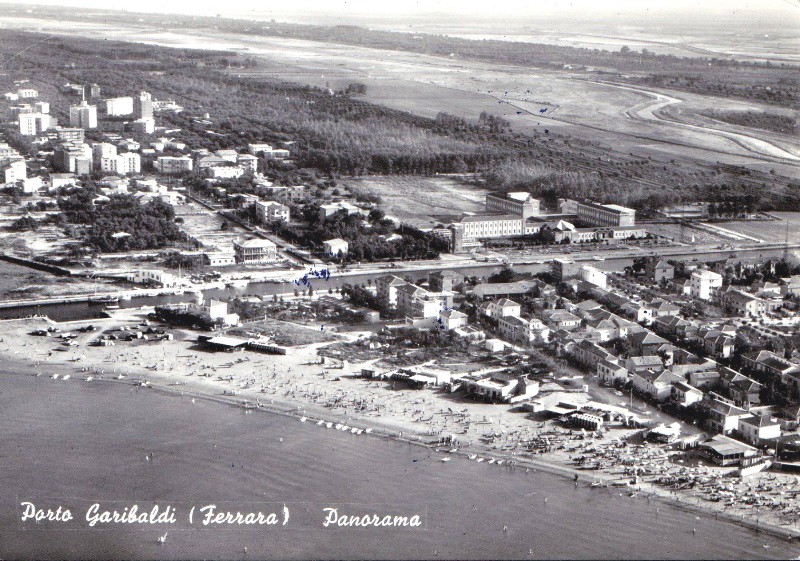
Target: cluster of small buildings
[519,215]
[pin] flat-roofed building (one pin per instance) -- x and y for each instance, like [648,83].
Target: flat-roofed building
[174,165]
[596,214]
[118,106]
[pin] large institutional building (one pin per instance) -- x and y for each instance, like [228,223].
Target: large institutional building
[519,214]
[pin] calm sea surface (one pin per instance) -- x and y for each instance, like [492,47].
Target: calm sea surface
[78,440]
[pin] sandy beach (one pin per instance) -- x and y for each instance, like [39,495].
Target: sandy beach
[298,384]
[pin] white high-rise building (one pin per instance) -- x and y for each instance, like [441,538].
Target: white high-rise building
[31,124]
[102,150]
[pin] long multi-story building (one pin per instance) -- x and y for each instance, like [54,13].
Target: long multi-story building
[516,203]
[122,164]
[174,165]
[596,214]
[66,134]
[491,226]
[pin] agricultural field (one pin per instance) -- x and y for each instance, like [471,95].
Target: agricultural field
[421,201]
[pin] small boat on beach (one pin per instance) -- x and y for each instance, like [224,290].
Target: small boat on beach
[320,422]
[54,376]
[445,460]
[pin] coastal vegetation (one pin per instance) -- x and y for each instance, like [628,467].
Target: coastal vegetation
[756,119]
[334,134]
[121,223]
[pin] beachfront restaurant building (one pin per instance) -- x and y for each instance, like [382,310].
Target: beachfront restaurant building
[726,451]
[222,343]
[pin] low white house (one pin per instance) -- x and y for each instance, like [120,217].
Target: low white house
[152,276]
[335,247]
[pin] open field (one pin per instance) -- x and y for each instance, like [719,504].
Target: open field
[204,226]
[421,201]
[773,231]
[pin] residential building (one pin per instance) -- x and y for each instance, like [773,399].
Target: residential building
[219,258]
[328,210]
[703,282]
[646,342]
[759,429]
[444,280]
[123,164]
[59,180]
[27,93]
[740,303]
[386,289]
[143,107]
[65,134]
[416,302]
[83,116]
[12,170]
[247,162]
[452,319]
[152,276]
[255,251]
[31,124]
[118,106]
[655,384]
[561,319]
[73,157]
[270,211]
[267,151]
[611,371]
[638,364]
[42,107]
[335,247]
[143,126]
[768,362]
[590,354]
[526,331]
[723,417]
[659,270]
[501,308]
[685,394]
[594,276]
[224,172]
[174,165]
[101,150]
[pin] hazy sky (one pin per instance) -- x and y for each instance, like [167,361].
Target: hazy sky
[471,7]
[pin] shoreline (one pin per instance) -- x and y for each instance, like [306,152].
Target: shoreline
[401,430]
[383,432]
